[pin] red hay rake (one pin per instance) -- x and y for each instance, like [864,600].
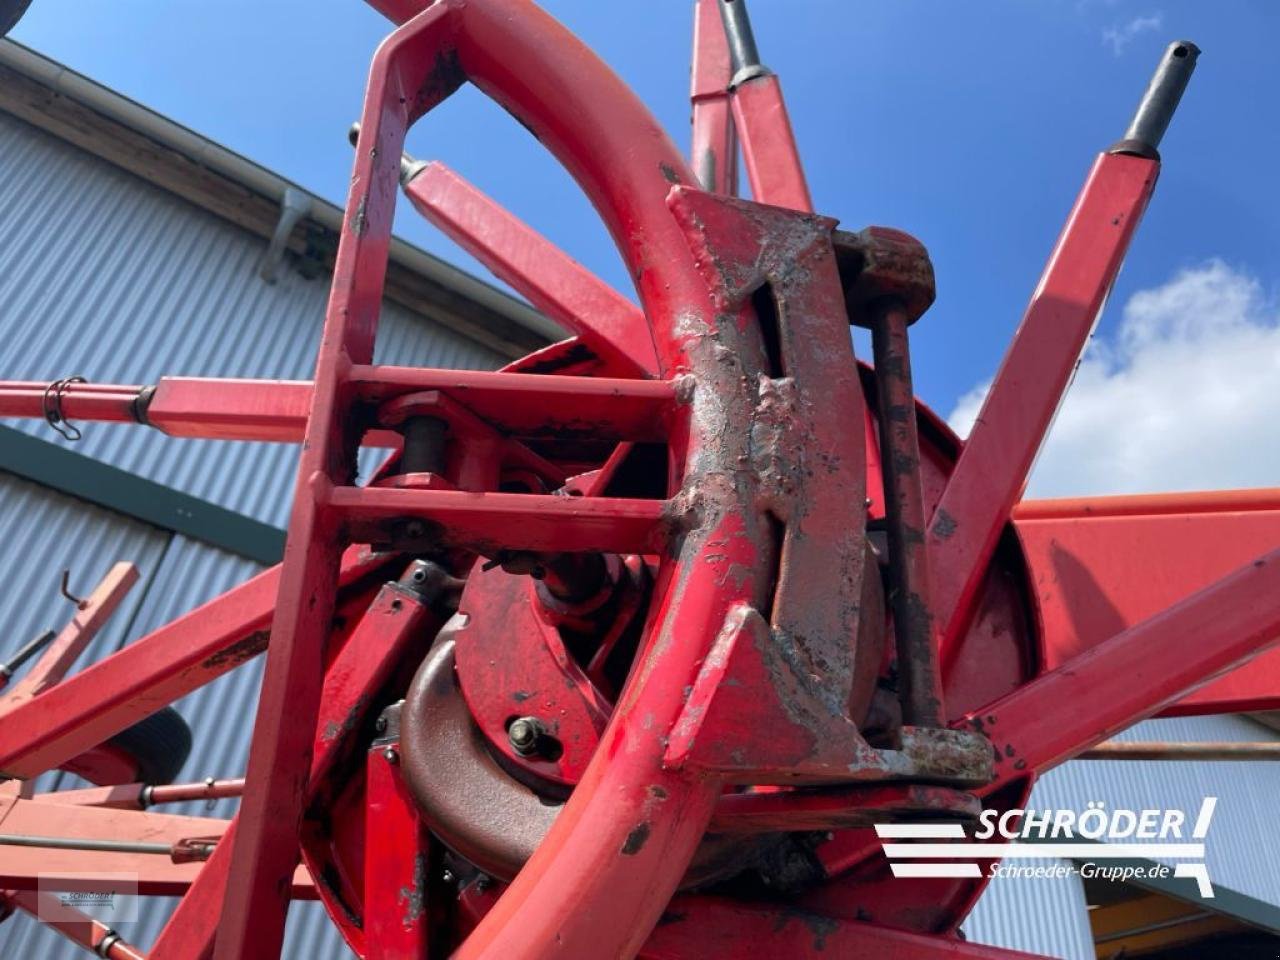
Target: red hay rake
[629,644]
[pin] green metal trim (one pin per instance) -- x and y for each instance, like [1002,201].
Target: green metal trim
[106,486]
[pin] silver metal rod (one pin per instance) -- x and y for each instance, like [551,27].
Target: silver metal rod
[744,57]
[28,650]
[84,843]
[1206,750]
[1155,110]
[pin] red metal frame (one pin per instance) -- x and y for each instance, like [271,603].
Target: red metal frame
[397,862]
[770,553]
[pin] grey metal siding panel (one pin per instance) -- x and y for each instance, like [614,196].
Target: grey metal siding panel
[105,276]
[1047,917]
[1242,847]
[42,533]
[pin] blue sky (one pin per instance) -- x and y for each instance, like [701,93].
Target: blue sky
[970,125]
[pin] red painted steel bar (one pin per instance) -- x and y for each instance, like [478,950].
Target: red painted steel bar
[140,796]
[227,409]
[511,521]
[24,868]
[112,694]
[230,409]
[713,151]
[181,792]
[75,925]
[123,796]
[1149,504]
[397,843]
[1134,674]
[76,401]
[992,469]
[769,150]
[604,321]
[352,679]
[530,405]
[90,617]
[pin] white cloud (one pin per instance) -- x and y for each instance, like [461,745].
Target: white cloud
[1118,36]
[1186,395]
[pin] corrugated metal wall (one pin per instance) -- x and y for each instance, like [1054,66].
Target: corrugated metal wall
[105,276]
[1242,848]
[1041,916]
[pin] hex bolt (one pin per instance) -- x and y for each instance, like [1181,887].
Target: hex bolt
[524,734]
[390,755]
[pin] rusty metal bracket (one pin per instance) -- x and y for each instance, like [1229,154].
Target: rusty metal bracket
[781,694]
[881,263]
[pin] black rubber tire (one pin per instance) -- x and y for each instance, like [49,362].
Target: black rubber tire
[159,743]
[11,12]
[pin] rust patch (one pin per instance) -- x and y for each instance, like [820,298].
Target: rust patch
[334,730]
[445,77]
[360,219]
[636,840]
[944,525]
[578,353]
[414,897]
[239,652]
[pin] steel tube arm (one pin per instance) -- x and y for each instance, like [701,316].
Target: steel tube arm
[1038,366]
[713,150]
[769,149]
[115,403]
[605,321]
[1134,674]
[993,467]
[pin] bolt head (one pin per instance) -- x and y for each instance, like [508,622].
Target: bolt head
[390,755]
[523,735]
